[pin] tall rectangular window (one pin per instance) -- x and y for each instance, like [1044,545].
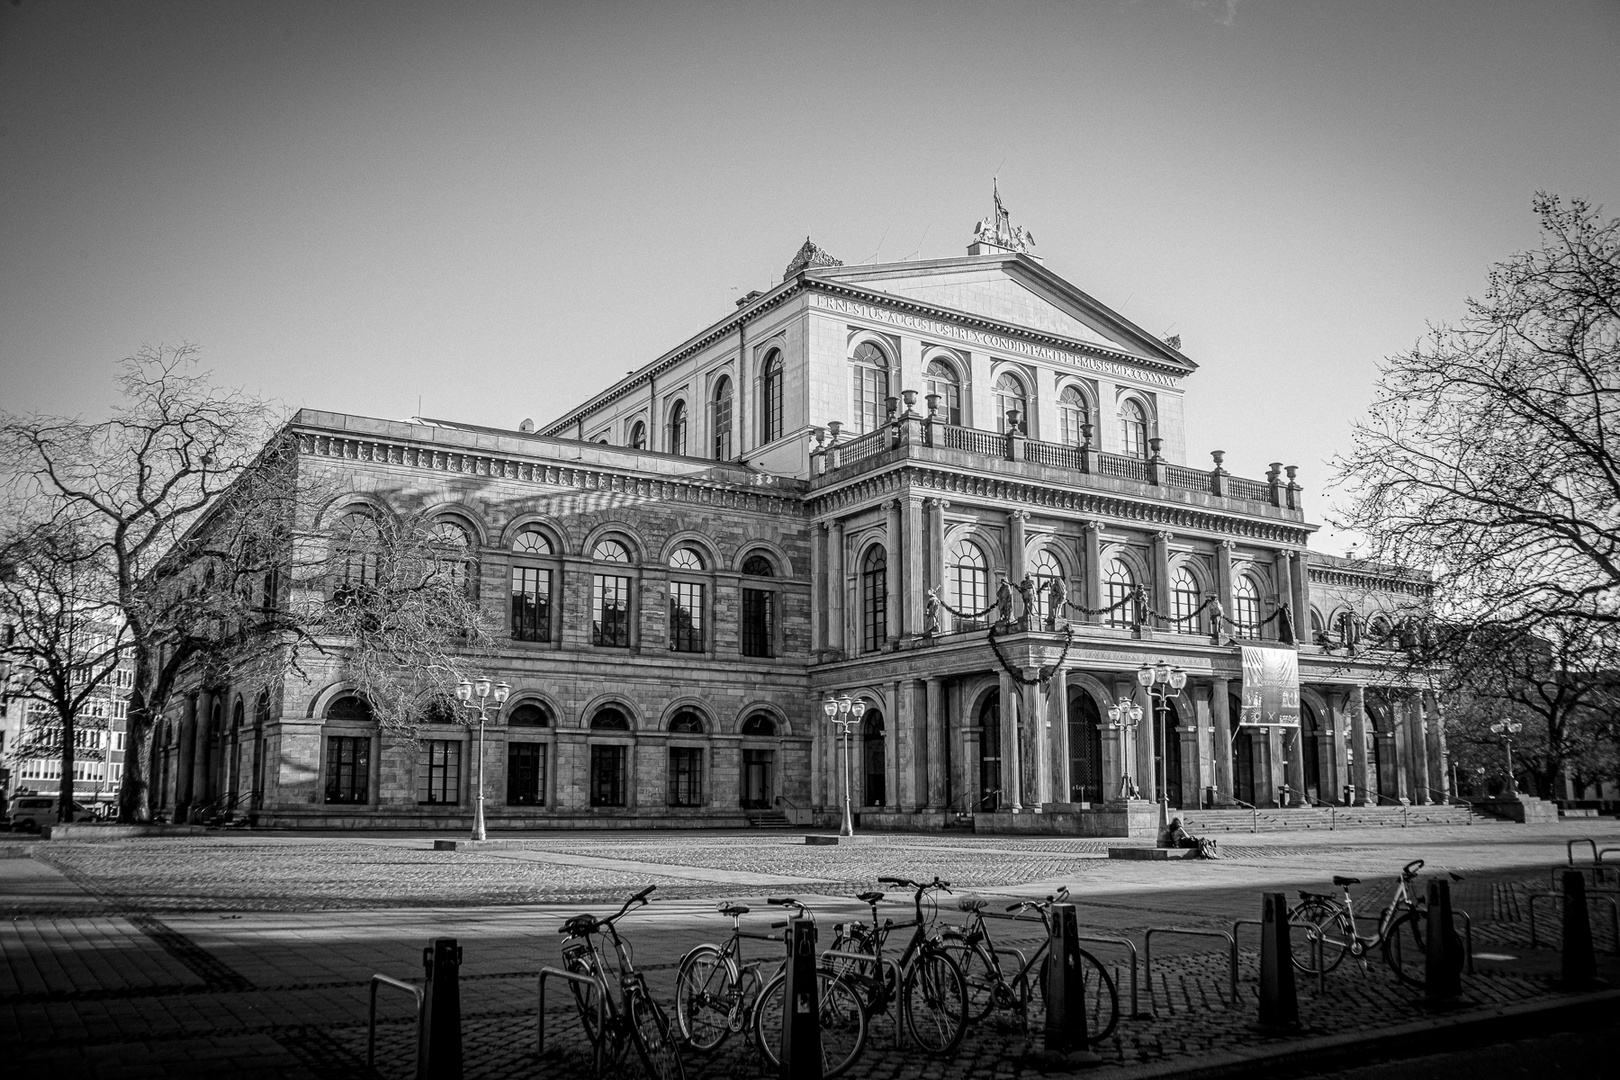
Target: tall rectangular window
[610,610]
[607,775]
[758,622]
[685,616]
[348,769]
[438,772]
[685,776]
[526,774]
[531,603]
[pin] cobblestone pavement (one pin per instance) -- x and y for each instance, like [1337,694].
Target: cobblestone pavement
[250,955]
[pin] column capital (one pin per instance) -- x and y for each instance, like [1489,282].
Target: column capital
[938,503]
[1164,534]
[1090,525]
[1021,515]
[1229,545]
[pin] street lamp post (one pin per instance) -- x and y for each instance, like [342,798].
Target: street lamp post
[1507,729]
[846,713]
[1162,682]
[1123,718]
[465,689]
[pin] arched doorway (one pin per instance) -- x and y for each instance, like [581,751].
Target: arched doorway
[1085,749]
[1242,756]
[1167,752]
[759,763]
[874,760]
[990,753]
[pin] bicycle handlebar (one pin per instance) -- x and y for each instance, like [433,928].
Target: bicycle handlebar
[1410,869]
[920,886]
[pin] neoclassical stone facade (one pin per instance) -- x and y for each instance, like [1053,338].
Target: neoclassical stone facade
[790,506]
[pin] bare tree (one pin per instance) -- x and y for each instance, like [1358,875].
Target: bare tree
[1488,455]
[67,641]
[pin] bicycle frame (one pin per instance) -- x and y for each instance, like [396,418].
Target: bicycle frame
[1400,900]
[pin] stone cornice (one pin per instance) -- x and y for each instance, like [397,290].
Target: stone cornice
[480,463]
[1382,581]
[959,486]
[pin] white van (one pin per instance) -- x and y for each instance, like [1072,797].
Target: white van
[29,813]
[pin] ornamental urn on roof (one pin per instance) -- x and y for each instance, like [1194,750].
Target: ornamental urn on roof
[809,257]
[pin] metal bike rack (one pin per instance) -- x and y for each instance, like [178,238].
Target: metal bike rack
[1231,955]
[371,1019]
[1569,849]
[540,1013]
[1591,895]
[1136,1011]
[869,959]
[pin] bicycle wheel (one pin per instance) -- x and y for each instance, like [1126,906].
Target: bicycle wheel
[1404,950]
[934,1001]
[1327,919]
[980,975]
[705,993]
[1100,995]
[609,1044]
[843,1022]
[655,1043]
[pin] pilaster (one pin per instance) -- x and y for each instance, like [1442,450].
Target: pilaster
[915,548]
[1091,573]
[1057,711]
[1360,768]
[1011,755]
[936,745]
[895,558]
[837,590]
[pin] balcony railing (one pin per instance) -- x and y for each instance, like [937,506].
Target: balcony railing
[909,429]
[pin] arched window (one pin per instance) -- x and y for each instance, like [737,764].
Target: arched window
[871,371]
[1118,585]
[1073,414]
[609,761]
[685,559]
[969,577]
[1318,631]
[1045,569]
[1246,606]
[874,598]
[359,542]
[261,709]
[686,722]
[677,428]
[610,596]
[758,609]
[770,398]
[759,724]
[1010,395]
[349,709]
[686,602]
[1185,597]
[610,720]
[875,759]
[942,380]
[452,547]
[722,419]
[757,565]
[638,435]
[1133,429]
[531,587]
[528,714]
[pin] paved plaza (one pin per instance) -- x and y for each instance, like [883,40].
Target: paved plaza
[249,954]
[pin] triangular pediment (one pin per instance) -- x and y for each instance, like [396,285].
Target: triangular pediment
[1011,289]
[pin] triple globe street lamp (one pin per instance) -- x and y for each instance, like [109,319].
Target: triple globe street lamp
[1162,682]
[465,690]
[846,712]
[1507,729]
[1123,718]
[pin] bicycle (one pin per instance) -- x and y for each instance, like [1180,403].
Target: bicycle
[718,994]
[635,1016]
[926,980]
[1334,923]
[990,988]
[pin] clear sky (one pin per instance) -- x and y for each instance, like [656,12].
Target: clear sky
[499,208]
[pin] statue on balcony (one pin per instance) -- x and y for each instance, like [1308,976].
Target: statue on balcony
[1026,593]
[1003,601]
[1057,598]
[931,614]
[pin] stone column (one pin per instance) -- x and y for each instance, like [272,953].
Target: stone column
[1338,742]
[903,748]
[1160,585]
[895,554]
[936,548]
[837,590]
[184,758]
[1016,520]
[1220,714]
[1418,751]
[1036,745]
[1057,711]
[1302,595]
[1011,754]
[1439,770]
[937,743]
[202,758]
[818,589]
[1146,763]
[1091,573]
[914,543]
[1223,580]
[1359,766]
[1398,762]
[964,748]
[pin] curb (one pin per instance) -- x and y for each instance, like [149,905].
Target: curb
[1428,1036]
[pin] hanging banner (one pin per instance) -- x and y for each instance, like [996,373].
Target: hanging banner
[1270,687]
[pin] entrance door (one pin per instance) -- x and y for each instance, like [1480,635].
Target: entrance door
[1243,766]
[759,767]
[874,758]
[1169,755]
[990,753]
[1085,750]
[1310,750]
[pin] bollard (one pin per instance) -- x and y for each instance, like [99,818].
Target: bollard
[1442,960]
[1066,1031]
[801,1011]
[1279,1004]
[438,1032]
[1580,962]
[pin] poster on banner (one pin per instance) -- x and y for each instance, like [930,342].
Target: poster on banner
[1270,688]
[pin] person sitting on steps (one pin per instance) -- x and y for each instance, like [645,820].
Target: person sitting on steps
[1177,837]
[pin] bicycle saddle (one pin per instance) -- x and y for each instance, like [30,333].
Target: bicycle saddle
[1344,881]
[869,897]
[733,909]
[972,903]
[579,926]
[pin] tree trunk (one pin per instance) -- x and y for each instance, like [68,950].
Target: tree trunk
[64,793]
[134,807]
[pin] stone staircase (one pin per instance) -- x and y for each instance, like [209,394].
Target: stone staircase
[767,819]
[1281,818]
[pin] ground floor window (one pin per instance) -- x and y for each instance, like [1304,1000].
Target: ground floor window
[757,779]
[1085,750]
[685,776]
[607,775]
[348,769]
[990,754]
[438,772]
[526,774]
